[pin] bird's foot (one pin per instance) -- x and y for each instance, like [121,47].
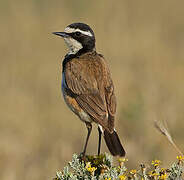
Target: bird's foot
[82,156]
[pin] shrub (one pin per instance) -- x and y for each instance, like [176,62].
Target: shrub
[101,168]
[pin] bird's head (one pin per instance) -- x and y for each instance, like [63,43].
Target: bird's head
[78,36]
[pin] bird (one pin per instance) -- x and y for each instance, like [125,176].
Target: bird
[87,86]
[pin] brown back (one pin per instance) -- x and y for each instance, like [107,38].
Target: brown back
[89,79]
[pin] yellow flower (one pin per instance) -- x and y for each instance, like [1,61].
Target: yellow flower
[120,160]
[163,170]
[108,179]
[133,171]
[153,174]
[122,177]
[180,158]
[89,168]
[156,163]
[163,177]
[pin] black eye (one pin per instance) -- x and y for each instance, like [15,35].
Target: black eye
[77,33]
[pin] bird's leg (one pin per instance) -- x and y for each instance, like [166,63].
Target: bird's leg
[99,141]
[89,127]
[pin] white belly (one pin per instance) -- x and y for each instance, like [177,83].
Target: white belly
[85,117]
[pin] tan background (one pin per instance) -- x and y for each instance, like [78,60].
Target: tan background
[143,42]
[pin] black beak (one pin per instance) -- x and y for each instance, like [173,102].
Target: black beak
[62,34]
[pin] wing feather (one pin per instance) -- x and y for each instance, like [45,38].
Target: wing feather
[92,86]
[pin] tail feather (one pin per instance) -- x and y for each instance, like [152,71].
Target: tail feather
[113,143]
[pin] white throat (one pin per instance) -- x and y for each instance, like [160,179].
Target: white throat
[73,45]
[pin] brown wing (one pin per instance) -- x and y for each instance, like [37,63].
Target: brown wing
[92,86]
[111,102]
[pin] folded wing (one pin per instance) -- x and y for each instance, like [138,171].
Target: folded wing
[91,84]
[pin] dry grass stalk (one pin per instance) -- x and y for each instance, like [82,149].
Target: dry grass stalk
[162,128]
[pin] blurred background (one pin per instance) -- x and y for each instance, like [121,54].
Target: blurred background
[143,42]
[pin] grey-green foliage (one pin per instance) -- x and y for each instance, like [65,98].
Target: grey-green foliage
[176,172]
[101,168]
[77,170]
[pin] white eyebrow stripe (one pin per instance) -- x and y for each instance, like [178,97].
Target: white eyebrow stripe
[72,30]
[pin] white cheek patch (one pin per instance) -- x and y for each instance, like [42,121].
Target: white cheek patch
[72,30]
[73,45]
